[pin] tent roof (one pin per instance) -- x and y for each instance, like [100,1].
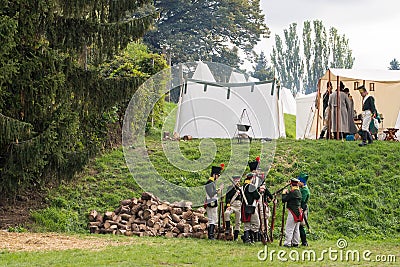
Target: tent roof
[366,74]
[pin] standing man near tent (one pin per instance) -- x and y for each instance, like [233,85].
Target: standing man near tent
[305,195]
[233,200]
[295,214]
[249,211]
[325,101]
[212,199]
[352,126]
[339,125]
[368,112]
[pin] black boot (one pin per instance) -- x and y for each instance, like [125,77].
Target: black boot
[364,138]
[252,236]
[235,235]
[303,236]
[322,134]
[246,237]
[228,228]
[211,229]
[369,137]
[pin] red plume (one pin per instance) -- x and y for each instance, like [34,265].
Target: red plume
[258,158]
[222,165]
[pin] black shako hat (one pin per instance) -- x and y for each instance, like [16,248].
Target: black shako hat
[217,169]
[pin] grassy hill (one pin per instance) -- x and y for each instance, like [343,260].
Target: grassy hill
[354,190]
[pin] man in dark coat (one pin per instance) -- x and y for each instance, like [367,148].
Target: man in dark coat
[233,201]
[250,219]
[368,112]
[212,200]
[292,199]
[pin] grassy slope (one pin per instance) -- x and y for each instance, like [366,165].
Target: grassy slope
[350,196]
[353,189]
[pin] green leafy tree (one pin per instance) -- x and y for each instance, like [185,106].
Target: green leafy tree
[262,70]
[320,51]
[287,61]
[394,65]
[54,104]
[207,30]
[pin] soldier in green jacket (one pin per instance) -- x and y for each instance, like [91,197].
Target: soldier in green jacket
[295,214]
[305,195]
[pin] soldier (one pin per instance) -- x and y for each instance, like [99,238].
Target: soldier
[212,200]
[305,195]
[249,211]
[233,200]
[295,214]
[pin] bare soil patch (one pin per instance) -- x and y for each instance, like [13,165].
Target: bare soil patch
[14,242]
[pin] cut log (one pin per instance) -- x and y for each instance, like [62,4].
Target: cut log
[125,202]
[202,218]
[135,227]
[197,228]
[175,218]
[163,207]
[152,221]
[142,227]
[136,209]
[177,211]
[147,214]
[94,229]
[154,207]
[125,210]
[99,218]
[125,217]
[187,215]
[175,230]
[92,216]
[108,215]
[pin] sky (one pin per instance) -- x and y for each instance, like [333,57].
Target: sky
[371,26]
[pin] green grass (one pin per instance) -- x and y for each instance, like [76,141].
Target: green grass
[145,251]
[290,125]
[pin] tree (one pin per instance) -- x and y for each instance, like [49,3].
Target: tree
[302,71]
[394,65]
[53,100]
[262,70]
[207,30]
[288,62]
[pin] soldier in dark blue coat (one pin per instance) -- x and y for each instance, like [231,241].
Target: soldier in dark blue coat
[211,201]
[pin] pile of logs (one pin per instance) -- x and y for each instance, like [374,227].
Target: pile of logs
[148,216]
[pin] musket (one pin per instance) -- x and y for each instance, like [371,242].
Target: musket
[263,240]
[271,228]
[265,233]
[283,222]
[277,192]
[306,221]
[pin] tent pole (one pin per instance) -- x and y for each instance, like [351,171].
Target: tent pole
[318,105]
[337,107]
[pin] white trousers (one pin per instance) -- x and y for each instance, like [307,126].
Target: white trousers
[292,233]
[235,208]
[366,120]
[212,215]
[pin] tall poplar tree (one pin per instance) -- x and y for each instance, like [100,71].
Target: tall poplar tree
[319,52]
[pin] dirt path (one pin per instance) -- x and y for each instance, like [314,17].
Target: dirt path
[51,241]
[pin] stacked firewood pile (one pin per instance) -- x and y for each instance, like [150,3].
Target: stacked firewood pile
[148,216]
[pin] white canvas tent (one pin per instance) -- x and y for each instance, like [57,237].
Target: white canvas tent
[209,109]
[305,111]
[288,101]
[384,85]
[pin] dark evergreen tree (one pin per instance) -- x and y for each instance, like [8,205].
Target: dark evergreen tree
[53,99]
[262,70]
[394,65]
